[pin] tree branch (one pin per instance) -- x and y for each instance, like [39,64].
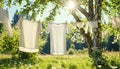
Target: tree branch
[86,36]
[82,10]
[76,17]
[91,10]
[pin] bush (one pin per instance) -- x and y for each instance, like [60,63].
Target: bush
[71,51]
[9,45]
[99,60]
[63,65]
[82,51]
[72,66]
[49,66]
[113,61]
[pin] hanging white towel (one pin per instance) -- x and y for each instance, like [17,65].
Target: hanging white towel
[29,36]
[4,18]
[58,38]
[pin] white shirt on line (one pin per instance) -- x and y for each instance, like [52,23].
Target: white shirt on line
[58,38]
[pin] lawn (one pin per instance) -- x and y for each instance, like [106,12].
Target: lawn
[79,61]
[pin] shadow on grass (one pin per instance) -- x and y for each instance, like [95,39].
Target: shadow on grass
[17,62]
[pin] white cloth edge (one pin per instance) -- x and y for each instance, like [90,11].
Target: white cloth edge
[28,50]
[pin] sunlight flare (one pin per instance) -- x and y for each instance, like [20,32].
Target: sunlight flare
[71,4]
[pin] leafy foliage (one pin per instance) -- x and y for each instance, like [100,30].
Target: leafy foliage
[98,58]
[72,66]
[71,51]
[110,36]
[9,45]
[1,3]
[111,7]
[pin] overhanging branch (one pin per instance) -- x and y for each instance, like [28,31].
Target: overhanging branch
[82,10]
[86,36]
[76,17]
[91,9]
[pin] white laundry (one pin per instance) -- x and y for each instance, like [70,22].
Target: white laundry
[90,25]
[4,18]
[94,24]
[58,38]
[80,25]
[116,22]
[29,35]
[87,27]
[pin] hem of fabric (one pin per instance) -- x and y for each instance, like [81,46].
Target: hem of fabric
[58,53]
[28,50]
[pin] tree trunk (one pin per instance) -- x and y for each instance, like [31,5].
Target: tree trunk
[97,31]
[86,36]
[88,40]
[91,16]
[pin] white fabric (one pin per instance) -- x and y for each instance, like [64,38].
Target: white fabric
[87,27]
[4,18]
[116,22]
[29,36]
[80,25]
[90,25]
[58,38]
[74,25]
[94,24]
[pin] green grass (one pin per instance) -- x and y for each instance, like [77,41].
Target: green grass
[80,61]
